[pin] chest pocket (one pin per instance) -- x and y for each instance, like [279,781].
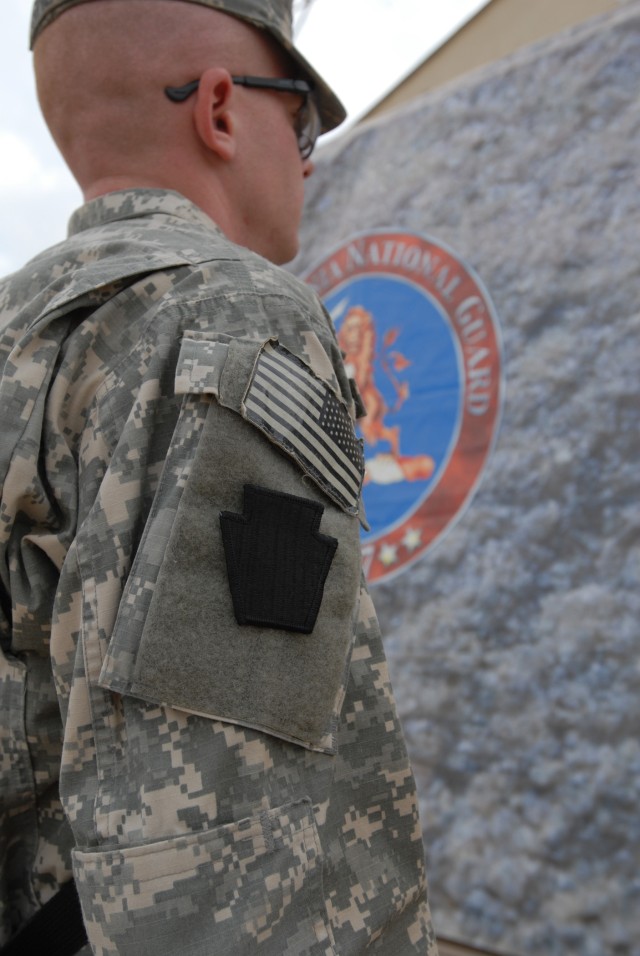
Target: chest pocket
[241,599]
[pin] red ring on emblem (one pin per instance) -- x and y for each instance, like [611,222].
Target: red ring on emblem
[464,304]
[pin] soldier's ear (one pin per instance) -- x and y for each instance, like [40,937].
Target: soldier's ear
[213,115]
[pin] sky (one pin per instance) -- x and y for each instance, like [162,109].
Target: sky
[361,47]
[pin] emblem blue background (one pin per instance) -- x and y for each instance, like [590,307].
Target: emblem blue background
[429,419]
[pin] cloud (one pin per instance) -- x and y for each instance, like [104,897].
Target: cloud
[20,168]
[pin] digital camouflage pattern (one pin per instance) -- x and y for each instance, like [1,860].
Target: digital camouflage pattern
[274,16]
[200,817]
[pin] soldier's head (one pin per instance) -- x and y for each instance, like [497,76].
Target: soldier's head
[170,94]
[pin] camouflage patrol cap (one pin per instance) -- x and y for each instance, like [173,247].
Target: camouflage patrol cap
[274,16]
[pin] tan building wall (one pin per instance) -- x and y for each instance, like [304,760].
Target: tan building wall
[500,28]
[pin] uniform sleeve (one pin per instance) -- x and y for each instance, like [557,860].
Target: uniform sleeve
[210,597]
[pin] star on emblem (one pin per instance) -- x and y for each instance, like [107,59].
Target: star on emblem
[412,539]
[388,555]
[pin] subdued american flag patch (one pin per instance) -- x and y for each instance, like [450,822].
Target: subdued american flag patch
[299,412]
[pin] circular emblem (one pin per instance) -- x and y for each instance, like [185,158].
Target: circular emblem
[421,340]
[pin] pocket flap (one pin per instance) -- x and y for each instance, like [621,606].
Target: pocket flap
[200,364]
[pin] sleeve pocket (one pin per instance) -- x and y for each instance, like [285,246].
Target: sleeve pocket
[241,599]
[247,886]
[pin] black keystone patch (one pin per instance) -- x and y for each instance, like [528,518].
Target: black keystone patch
[277,560]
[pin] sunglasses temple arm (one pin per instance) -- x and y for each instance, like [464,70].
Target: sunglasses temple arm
[180,93]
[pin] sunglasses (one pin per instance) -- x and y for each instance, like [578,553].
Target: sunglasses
[307,122]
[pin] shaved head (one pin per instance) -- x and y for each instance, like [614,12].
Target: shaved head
[101,70]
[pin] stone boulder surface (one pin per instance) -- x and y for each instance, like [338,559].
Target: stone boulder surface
[514,642]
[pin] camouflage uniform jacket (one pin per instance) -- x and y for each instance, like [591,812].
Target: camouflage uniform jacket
[191,665]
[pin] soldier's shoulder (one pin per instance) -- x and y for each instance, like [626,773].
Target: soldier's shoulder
[119,238]
[252,273]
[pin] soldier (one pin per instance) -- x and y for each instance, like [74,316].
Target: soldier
[196,722]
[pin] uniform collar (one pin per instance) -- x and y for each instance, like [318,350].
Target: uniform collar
[137,204]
